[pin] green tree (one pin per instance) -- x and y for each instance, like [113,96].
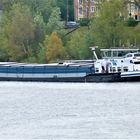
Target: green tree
[78,47]
[4,55]
[67,7]
[133,36]
[39,33]
[55,24]
[136,36]
[36,6]
[44,7]
[108,28]
[18,30]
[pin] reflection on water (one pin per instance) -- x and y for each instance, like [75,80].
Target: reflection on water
[69,110]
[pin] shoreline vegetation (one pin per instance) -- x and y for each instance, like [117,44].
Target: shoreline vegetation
[33,31]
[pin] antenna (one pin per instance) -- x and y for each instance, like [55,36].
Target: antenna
[94,53]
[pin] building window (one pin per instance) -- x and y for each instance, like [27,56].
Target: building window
[92,9]
[87,9]
[80,10]
[136,17]
[80,1]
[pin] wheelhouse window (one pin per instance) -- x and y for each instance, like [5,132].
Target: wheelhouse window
[137,54]
[129,55]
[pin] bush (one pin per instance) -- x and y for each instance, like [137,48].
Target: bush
[84,22]
[132,22]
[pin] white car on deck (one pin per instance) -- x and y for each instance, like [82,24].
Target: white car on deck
[132,58]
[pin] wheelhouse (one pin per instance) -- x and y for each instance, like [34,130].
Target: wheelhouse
[117,52]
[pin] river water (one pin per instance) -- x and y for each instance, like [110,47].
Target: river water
[31,110]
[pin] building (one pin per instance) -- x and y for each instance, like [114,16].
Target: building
[88,8]
[134,10]
[84,9]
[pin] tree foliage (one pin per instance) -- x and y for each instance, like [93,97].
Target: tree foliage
[33,30]
[18,30]
[54,48]
[109,27]
[78,47]
[66,7]
[24,26]
[55,24]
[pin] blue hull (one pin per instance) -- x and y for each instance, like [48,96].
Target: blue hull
[71,72]
[110,77]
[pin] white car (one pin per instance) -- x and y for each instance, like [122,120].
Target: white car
[72,24]
[132,58]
